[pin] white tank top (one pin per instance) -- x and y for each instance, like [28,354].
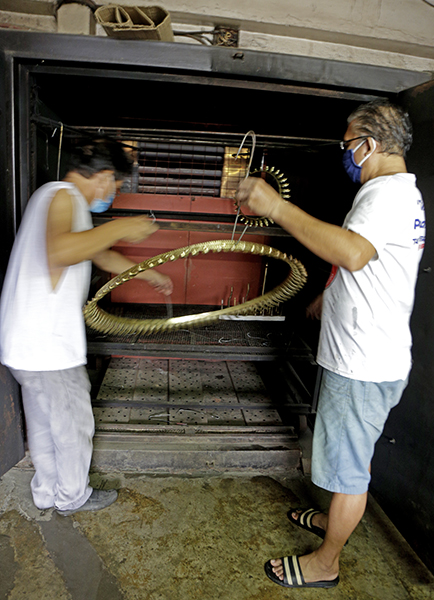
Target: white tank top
[42,329]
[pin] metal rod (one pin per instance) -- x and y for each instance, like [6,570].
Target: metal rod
[244,231]
[252,133]
[200,407]
[235,224]
[196,191]
[161,181]
[194,148]
[186,157]
[181,171]
[265,278]
[59,154]
[230,296]
[175,135]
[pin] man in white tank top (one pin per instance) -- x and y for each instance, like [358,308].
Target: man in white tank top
[365,340]
[42,331]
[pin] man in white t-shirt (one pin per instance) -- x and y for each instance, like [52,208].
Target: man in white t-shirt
[365,340]
[42,331]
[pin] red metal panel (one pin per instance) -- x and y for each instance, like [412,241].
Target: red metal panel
[153,202]
[210,277]
[198,204]
[139,291]
[204,279]
[223,206]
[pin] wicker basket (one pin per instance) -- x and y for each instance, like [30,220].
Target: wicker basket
[135,22]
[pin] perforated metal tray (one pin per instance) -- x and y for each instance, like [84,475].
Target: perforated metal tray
[174,392]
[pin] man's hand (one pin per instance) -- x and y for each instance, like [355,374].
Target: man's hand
[136,228]
[260,197]
[162,283]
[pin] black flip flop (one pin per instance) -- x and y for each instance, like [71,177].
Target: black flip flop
[293,577]
[305,520]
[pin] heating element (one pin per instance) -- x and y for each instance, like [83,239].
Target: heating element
[182,168]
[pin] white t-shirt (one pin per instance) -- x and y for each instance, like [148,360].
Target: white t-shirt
[42,329]
[365,331]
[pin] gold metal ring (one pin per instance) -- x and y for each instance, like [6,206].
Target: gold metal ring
[104,322]
[282,189]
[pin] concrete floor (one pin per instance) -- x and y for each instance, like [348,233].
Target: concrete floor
[189,538]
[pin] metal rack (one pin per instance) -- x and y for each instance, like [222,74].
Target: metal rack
[258,353]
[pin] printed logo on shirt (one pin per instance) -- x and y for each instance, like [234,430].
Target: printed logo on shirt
[419,241]
[333,274]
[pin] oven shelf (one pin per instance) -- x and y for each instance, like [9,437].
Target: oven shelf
[226,339]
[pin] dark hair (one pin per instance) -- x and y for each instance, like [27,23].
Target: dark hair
[387,123]
[122,161]
[90,158]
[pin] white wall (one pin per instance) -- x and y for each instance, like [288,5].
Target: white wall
[397,33]
[394,33]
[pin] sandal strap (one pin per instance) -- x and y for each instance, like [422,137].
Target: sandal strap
[305,517]
[292,574]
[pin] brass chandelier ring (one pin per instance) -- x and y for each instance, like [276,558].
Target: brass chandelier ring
[282,189]
[104,322]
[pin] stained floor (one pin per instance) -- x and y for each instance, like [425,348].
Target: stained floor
[189,538]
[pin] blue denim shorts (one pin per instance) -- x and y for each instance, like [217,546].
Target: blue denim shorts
[350,419]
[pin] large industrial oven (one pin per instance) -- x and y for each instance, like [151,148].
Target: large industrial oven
[237,392]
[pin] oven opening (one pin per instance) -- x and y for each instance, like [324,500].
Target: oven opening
[240,378]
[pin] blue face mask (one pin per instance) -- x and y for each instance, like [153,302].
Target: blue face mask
[354,171]
[99,205]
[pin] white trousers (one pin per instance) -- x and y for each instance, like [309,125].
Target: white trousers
[60,426]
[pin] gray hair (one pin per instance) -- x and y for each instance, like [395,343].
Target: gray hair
[387,123]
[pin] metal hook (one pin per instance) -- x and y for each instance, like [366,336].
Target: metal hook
[235,224]
[253,134]
[244,231]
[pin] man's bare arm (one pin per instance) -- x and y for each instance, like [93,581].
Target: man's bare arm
[114,262]
[334,244]
[65,248]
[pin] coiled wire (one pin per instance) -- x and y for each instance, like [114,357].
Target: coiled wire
[104,322]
